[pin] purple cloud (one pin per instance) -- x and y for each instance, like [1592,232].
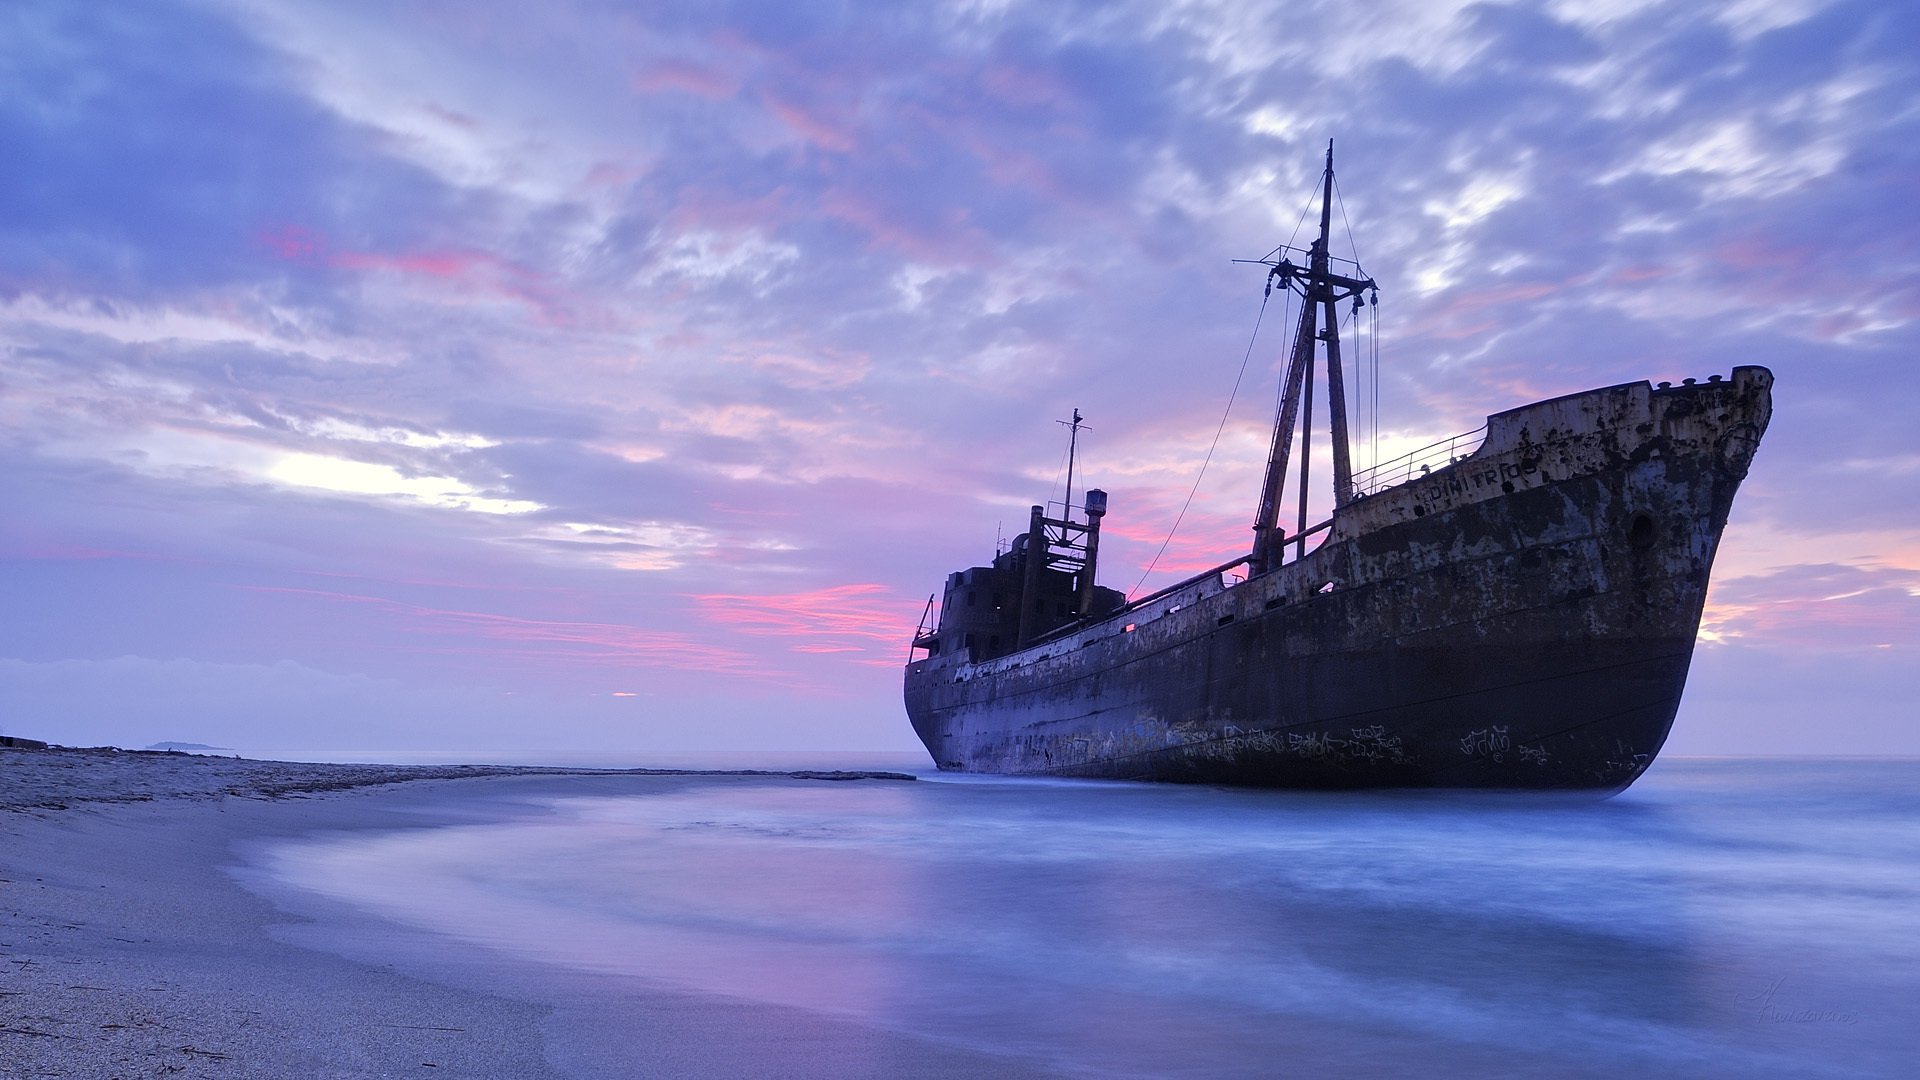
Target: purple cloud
[560,348]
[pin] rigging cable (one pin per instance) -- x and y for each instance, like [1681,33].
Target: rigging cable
[1348,224]
[1144,574]
[1359,421]
[1373,319]
[1360,393]
[1373,333]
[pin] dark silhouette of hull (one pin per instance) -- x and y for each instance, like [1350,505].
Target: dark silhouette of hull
[1522,617]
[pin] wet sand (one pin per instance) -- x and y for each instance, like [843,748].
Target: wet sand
[130,946]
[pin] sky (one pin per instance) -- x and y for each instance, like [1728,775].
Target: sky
[595,376]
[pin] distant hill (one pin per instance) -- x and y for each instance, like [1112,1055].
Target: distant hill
[190,747]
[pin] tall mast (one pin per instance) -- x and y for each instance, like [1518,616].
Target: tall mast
[1321,290]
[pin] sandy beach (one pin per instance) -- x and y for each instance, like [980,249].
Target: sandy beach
[173,915]
[129,945]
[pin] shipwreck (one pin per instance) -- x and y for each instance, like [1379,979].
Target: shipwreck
[1513,608]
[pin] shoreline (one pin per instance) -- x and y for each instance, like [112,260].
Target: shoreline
[59,777]
[486,926]
[137,937]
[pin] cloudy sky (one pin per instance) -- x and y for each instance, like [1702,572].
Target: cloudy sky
[593,375]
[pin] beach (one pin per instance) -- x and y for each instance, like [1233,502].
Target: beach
[129,948]
[173,915]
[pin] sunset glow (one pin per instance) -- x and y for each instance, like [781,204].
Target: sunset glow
[687,351]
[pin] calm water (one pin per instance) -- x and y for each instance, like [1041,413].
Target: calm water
[1722,918]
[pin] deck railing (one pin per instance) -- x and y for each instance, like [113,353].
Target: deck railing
[1424,460]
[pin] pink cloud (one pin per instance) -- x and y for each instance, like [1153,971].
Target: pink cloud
[864,613]
[957,243]
[1011,168]
[1202,543]
[433,583]
[1459,303]
[294,243]
[479,269]
[457,119]
[1819,608]
[1465,313]
[440,264]
[1634,275]
[678,75]
[810,125]
[1025,87]
[469,266]
[612,174]
[1757,253]
[1841,324]
[549,640]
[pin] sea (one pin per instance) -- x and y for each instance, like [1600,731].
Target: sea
[1721,918]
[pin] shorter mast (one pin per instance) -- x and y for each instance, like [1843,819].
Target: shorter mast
[1060,546]
[1321,290]
[1073,445]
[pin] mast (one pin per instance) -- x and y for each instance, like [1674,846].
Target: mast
[1073,444]
[1321,290]
[1060,546]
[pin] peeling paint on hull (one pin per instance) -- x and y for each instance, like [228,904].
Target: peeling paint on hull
[1522,618]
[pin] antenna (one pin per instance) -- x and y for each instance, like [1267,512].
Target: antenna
[1073,441]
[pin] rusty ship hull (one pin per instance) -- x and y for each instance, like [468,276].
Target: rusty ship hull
[1521,618]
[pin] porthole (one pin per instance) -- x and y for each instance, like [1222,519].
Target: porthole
[1641,531]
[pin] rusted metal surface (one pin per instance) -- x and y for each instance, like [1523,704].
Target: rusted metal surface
[1521,618]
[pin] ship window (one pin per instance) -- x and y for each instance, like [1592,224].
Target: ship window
[1640,531]
[1129,628]
[1223,620]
